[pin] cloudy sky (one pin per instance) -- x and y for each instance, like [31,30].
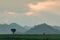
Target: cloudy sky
[30,12]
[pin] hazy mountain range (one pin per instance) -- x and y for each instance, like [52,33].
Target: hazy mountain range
[37,29]
[5,28]
[43,28]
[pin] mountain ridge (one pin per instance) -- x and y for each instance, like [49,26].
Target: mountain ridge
[43,28]
[37,29]
[5,28]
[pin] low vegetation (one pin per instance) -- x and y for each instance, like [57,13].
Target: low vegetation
[29,37]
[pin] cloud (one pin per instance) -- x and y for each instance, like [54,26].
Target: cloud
[46,6]
[10,13]
[29,13]
[40,6]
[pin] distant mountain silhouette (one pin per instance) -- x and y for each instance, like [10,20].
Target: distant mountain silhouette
[5,28]
[57,27]
[37,29]
[43,28]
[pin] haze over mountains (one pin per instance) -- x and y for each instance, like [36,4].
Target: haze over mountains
[43,28]
[5,28]
[37,29]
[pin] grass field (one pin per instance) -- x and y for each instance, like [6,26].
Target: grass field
[29,37]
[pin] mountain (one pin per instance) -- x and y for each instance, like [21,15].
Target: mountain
[27,27]
[37,29]
[19,29]
[57,27]
[5,28]
[43,28]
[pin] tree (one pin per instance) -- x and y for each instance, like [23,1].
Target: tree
[13,30]
[43,33]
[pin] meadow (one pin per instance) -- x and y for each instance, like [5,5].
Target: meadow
[29,37]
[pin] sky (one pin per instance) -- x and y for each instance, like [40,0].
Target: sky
[30,12]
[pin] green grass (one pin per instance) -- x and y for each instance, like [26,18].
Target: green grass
[29,37]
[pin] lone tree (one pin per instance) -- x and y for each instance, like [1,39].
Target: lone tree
[13,31]
[44,34]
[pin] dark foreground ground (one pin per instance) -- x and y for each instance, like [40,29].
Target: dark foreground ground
[29,37]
